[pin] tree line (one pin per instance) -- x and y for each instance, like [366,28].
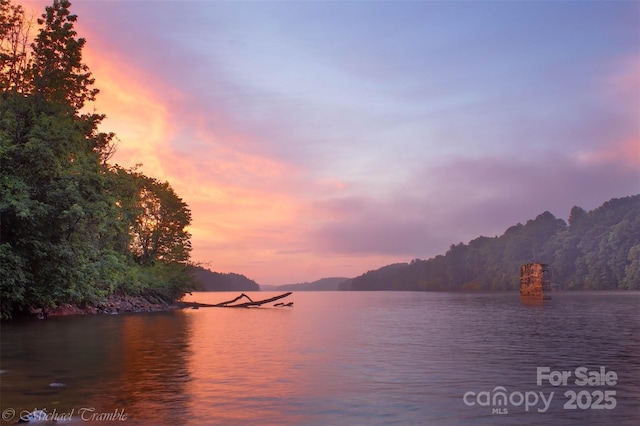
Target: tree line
[596,250]
[74,228]
[217,281]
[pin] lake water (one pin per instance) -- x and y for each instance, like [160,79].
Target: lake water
[335,358]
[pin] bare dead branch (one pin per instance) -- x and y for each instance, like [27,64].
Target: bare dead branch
[233,304]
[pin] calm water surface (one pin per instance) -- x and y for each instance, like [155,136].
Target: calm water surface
[336,358]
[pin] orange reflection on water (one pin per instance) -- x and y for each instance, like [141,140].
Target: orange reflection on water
[230,348]
[152,373]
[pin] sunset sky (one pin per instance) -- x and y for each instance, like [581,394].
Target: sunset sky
[316,139]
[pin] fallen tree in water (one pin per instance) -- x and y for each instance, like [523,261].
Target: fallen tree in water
[233,303]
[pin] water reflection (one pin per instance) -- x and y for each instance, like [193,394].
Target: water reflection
[152,369]
[336,358]
[239,380]
[131,363]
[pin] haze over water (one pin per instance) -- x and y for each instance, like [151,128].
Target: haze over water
[334,358]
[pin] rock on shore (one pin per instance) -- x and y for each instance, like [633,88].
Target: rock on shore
[112,305]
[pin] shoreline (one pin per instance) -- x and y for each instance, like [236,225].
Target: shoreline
[119,304]
[112,305]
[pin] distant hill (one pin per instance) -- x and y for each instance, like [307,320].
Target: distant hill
[324,284]
[378,279]
[596,250]
[216,281]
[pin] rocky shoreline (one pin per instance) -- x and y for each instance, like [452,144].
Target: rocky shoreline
[112,305]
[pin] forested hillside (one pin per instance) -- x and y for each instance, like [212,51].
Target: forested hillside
[73,227]
[323,284]
[216,281]
[596,250]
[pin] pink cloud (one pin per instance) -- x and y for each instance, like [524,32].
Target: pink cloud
[621,87]
[626,154]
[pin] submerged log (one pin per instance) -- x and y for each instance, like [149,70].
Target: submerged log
[233,304]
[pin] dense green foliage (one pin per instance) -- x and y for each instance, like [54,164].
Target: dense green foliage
[598,250]
[73,228]
[217,281]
